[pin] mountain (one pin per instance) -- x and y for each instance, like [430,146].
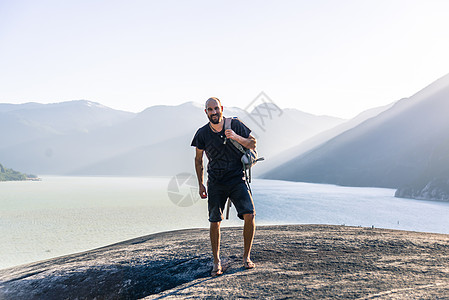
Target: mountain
[172,155]
[397,147]
[159,159]
[155,141]
[285,129]
[279,129]
[33,121]
[318,139]
[63,117]
[75,150]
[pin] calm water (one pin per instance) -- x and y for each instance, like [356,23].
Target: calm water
[63,215]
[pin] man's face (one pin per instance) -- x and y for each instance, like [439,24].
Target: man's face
[214,111]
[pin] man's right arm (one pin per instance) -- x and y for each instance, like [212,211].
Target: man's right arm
[200,172]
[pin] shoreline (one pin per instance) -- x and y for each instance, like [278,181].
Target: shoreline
[298,261]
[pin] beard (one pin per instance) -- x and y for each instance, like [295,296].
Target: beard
[215,118]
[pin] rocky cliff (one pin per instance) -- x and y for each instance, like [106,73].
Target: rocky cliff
[435,189]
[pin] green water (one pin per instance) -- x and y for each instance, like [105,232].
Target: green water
[62,215]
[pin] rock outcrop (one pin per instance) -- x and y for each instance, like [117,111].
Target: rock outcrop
[292,261]
[436,189]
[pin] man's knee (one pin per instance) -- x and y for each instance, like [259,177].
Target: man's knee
[249,217]
[215,225]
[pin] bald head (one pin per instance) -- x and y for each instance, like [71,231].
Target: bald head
[214,99]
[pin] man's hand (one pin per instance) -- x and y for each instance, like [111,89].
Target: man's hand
[230,134]
[203,193]
[249,143]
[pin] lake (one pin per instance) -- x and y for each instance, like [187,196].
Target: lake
[64,215]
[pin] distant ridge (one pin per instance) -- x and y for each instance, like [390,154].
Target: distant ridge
[86,138]
[317,140]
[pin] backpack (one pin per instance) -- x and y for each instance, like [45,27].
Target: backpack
[249,157]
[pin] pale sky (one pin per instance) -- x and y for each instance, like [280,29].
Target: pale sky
[333,57]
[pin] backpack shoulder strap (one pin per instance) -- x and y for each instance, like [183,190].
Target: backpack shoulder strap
[227,125]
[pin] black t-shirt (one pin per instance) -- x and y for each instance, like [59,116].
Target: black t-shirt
[225,166]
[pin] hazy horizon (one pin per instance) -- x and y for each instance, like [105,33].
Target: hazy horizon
[226,108]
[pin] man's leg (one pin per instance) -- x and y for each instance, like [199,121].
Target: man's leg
[215,243]
[249,229]
[215,240]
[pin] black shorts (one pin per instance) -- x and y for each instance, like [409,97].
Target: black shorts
[238,193]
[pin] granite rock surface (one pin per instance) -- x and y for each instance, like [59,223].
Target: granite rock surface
[292,262]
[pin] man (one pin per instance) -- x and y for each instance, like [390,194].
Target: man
[225,177]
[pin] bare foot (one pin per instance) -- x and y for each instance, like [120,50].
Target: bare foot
[248,264]
[216,270]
